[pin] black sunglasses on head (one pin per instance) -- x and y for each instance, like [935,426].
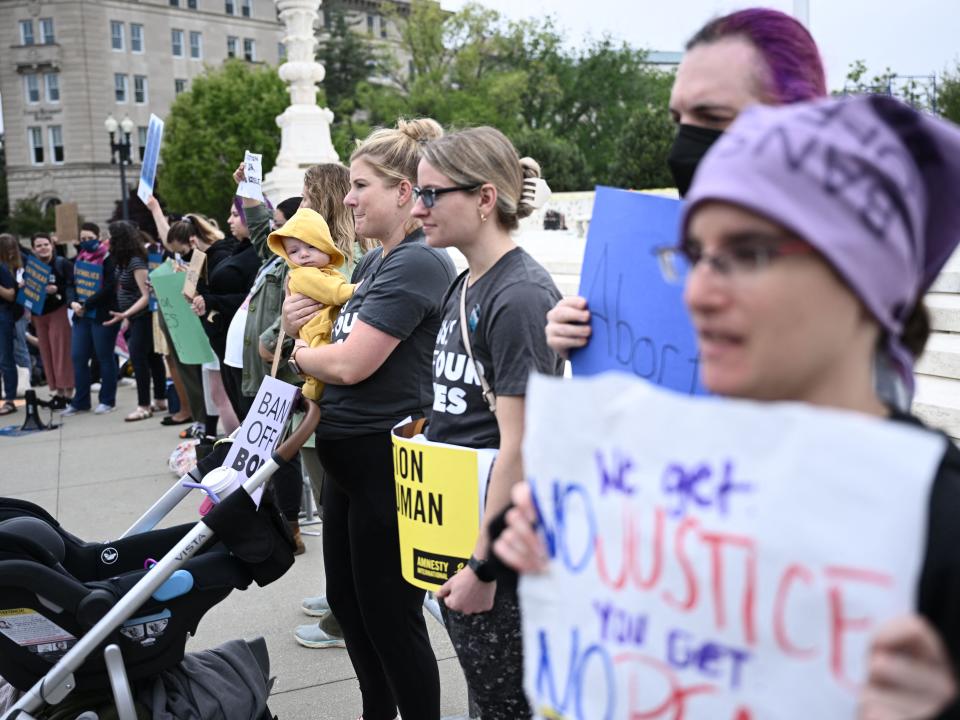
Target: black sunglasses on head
[429,195]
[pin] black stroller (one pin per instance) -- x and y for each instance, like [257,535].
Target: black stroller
[91,616]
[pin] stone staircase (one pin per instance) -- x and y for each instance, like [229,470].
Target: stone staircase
[937,400]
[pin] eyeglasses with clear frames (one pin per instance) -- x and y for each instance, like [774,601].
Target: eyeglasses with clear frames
[739,259]
[429,195]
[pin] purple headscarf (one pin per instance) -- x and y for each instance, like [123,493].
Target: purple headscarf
[872,184]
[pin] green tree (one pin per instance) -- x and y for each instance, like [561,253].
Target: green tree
[226,111]
[642,148]
[564,165]
[29,217]
[948,95]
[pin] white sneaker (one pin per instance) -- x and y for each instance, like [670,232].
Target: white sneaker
[126,382]
[71,410]
[23,381]
[315,606]
[95,387]
[102,409]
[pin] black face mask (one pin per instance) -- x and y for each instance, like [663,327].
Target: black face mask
[689,147]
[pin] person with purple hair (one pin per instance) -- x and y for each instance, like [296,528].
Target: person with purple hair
[795,277]
[753,56]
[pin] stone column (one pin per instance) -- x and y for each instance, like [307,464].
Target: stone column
[304,127]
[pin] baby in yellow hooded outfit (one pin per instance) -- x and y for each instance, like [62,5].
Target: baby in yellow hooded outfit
[304,242]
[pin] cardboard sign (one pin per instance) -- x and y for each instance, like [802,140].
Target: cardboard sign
[88,279]
[730,564]
[154,260]
[68,222]
[189,339]
[262,429]
[36,276]
[440,498]
[638,320]
[151,153]
[194,268]
[251,187]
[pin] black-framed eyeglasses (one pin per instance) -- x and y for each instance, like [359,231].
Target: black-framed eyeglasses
[429,195]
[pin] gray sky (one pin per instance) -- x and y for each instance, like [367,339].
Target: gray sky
[915,37]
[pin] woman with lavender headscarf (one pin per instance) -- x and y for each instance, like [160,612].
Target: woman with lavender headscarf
[810,235]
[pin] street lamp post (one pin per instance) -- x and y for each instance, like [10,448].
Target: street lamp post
[120,152]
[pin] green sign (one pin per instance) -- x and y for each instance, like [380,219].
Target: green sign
[189,339]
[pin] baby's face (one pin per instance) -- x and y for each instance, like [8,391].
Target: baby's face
[303,255]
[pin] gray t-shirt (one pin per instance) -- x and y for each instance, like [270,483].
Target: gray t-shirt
[402,295]
[506,312]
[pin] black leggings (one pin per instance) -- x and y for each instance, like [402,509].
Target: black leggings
[381,614]
[146,363]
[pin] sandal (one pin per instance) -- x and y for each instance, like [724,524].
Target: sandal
[155,406]
[138,414]
[8,408]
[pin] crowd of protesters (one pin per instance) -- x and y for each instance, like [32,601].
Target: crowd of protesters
[789,291]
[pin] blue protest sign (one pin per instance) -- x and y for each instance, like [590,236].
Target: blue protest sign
[638,320]
[148,170]
[87,278]
[36,276]
[154,260]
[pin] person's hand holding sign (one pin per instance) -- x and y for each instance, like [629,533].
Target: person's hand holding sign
[199,306]
[239,175]
[568,326]
[910,677]
[519,546]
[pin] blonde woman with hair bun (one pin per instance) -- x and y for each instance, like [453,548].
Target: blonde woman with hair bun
[377,372]
[472,191]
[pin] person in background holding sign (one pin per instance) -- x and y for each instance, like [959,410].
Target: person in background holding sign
[376,371]
[53,325]
[96,298]
[10,312]
[753,56]
[797,274]
[133,301]
[473,189]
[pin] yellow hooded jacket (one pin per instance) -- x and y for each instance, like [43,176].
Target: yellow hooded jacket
[325,285]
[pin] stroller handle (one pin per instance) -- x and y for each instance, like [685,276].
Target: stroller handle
[289,448]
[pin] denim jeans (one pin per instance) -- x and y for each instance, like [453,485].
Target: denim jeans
[91,338]
[8,368]
[21,353]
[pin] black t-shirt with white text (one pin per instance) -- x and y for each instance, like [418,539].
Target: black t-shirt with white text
[506,310]
[401,295]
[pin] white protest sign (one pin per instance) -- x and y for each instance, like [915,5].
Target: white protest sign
[713,559]
[262,428]
[250,187]
[151,153]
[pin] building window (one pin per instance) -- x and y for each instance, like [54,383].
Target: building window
[245,8]
[281,52]
[196,45]
[140,89]
[192,4]
[120,87]
[176,42]
[46,31]
[116,35]
[383,27]
[229,7]
[142,140]
[370,24]
[174,3]
[136,37]
[26,32]
[231,46]
[35,140]
[249,50]
[56,143]
[31,84]
[53,87]
[179,85]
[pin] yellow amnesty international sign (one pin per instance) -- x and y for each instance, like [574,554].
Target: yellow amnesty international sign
[440,491]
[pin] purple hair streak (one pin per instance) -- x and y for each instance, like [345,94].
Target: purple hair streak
[793,60]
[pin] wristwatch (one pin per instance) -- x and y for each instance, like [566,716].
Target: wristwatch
[483,569]
[292,362]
